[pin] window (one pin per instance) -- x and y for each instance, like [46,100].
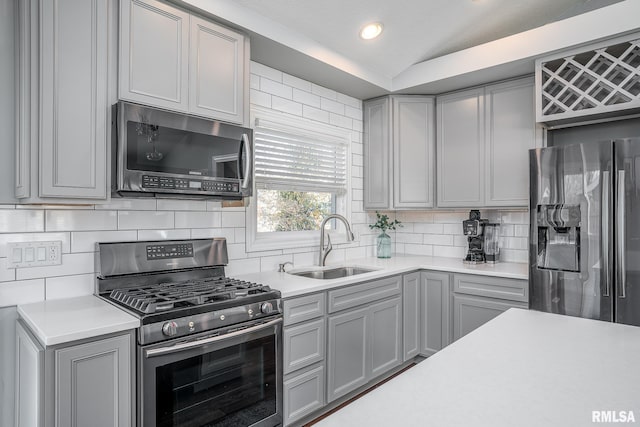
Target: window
[301,176]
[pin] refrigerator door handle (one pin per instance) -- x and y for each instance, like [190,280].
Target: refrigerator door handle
[621,256]
[606,188]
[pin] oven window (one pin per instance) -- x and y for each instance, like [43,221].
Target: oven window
[154,148]
[234,386]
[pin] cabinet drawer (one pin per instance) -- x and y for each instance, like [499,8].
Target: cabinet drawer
[303,393]
[353,296]
[493,287]
[471,312]
[303,345]
[304,308]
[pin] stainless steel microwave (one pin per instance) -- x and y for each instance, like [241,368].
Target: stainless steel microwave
[164,154]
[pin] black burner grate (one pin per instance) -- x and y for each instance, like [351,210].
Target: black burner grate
[168,296]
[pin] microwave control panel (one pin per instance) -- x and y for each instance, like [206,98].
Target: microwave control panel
[169,183]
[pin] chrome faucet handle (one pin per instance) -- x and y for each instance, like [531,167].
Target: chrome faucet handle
[281,266]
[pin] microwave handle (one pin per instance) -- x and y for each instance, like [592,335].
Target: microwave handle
[246,181]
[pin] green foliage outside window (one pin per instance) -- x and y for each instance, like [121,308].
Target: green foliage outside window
[292,210]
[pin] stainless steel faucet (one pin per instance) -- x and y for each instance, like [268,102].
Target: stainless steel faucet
[325,251]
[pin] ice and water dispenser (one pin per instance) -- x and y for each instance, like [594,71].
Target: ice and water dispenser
[558,237]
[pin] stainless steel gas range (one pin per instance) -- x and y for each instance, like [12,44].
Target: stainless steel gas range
[209,347]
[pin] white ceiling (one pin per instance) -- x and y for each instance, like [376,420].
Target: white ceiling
[414,30]
[318,39]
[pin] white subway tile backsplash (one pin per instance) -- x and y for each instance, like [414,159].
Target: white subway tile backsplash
[173,234]
[21,292]
[412,249]
[306,98]
[521,230]
[197,219]
[340,121]
[239,235]
[357,160]
[275,88]
[236,251]
[85,241]
[408,238]
[264,71]
[254,81]
[349,100]
[206,233]
[270,263]
[449,251]
[354,113]
[286,106]
[72,220]
[213,206]
[21,221]
[181,205]
[511,255]
[450,217]
[296,82]
[452,228]
[428,228]
[332,106]
[305,259]
[324,92]
[233,219]
[260,99]
[242,266]
[438,239]
[315,114]
[149,220]
[74,263]
[460,241]
[69,286]
[355,253]
[6,274]
[128,205]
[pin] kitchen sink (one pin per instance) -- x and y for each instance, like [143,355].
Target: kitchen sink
[332,273]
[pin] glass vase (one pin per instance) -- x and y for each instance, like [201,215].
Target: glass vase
[383,246]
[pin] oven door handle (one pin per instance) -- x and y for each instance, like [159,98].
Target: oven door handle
[192,344]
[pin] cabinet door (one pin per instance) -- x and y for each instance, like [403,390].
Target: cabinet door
[385,336]
[73,94]
[93,383]
[154,54]
[303,393]
[377,154]
[471,312]
[411,315]
[29,380]
[303,345]
[347,352]
[510,134]
[435,302]
[460,148]
[216,73]
[413,152]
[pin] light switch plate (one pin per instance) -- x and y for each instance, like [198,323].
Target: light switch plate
[34,254]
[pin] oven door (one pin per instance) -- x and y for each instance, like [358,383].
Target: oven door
[233,379]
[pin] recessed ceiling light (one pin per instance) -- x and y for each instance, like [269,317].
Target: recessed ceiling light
[371,31]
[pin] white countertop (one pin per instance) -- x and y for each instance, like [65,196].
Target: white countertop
[291,285]
[523,368]
[65,320]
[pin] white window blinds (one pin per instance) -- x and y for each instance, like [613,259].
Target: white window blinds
[294,158]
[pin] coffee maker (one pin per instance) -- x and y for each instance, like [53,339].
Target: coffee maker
[473,228]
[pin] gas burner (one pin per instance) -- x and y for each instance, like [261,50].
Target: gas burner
[168,296]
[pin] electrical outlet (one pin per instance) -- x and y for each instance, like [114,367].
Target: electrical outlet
[34,254]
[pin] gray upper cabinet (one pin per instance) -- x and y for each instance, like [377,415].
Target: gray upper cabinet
[460,148]
[171,59]
[377,154]
[76,384]
[63,100]
[483,138]
[154,54]
[399,137]
[510,134]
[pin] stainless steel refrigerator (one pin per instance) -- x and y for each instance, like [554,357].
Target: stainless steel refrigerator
[584,238]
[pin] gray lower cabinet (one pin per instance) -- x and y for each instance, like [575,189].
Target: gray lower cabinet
[304,341]
[362,344]
[303,392]
[435,316]
[78,384]
[471,312]
[411,315]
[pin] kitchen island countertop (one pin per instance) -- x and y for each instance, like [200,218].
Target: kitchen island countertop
[523,368]
[291,285]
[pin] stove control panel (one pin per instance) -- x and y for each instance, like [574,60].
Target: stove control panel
[169,250]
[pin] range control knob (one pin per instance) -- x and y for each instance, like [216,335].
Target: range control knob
[266,308]
[170,329]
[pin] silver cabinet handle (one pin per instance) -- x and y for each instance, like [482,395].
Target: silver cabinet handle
[192,344]
[248,150]
[622,264]
[604,247]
